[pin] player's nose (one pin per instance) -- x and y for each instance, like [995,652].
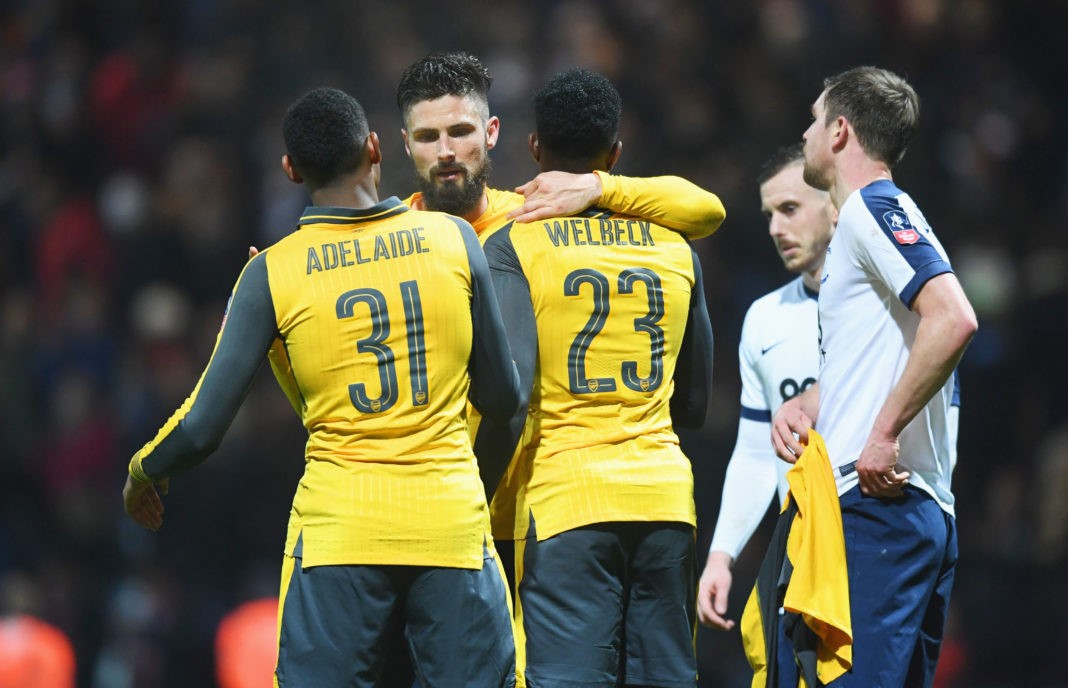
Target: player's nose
[445,148]
[776,226]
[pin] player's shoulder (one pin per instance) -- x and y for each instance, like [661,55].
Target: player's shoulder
[879,202]
[450,225]
[500,198]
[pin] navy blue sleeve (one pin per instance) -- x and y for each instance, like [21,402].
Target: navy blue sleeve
[247,333]
[494,381]
[496,440]
[693,369]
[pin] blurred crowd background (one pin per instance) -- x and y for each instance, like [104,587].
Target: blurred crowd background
[139,158]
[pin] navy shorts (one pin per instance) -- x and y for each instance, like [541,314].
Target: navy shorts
[902,558]
[609,604]
[338,623]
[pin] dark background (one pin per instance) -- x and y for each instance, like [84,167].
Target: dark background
[139,158]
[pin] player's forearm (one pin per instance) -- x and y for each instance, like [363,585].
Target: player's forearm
[748,488]
[935,353]
[693,380]
[494,446]
[947,324]
[195,430]
[809,401]
[670,201]
[494,380]
[171,451]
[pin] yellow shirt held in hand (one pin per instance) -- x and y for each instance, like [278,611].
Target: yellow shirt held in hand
[810,532]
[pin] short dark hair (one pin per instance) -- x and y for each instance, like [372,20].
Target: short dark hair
[324,133]
[443,74]
[780,160]
[577,114]
[882,107]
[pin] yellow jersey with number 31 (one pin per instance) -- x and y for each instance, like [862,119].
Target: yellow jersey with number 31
[376,318]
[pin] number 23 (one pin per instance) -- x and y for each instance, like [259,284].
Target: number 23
[599,288]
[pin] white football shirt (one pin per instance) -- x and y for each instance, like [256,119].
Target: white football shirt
[882,253]
[778,357]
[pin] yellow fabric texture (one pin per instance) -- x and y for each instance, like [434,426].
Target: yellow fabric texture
[672,201]
[611,298]
[752,630]
[498,204]
[395,482]
[819,584]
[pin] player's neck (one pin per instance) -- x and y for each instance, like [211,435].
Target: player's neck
[351,193]
[855,170]
[479,209]
[811,278]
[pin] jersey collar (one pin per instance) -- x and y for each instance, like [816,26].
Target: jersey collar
[320,215]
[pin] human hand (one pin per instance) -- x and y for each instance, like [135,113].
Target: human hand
[713,590]
[556,194]
[252,251]
[143,503]
[790,420]
[877,468]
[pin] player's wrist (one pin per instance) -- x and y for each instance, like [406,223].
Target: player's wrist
[137,473]
[599,186]
[720,558]
[881,434]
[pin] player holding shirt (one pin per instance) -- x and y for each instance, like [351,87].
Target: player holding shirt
[778,357]
[894,322]
[608,325]
[389,320]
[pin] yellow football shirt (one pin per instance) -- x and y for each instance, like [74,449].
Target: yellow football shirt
[611,297]
[385,315]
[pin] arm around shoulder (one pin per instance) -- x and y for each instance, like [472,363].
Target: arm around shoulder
[673,202]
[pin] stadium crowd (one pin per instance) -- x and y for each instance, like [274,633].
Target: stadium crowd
[139,158]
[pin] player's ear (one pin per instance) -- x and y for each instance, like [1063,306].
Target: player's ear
[613,155]
[535,149]
[404,135]
[493,129]
[290,170]
[374,155]
[373,148]
[840,133]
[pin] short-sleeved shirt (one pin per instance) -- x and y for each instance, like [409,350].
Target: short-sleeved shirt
[882,253]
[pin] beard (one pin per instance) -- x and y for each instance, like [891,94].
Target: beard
[815,178]
[454,197]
